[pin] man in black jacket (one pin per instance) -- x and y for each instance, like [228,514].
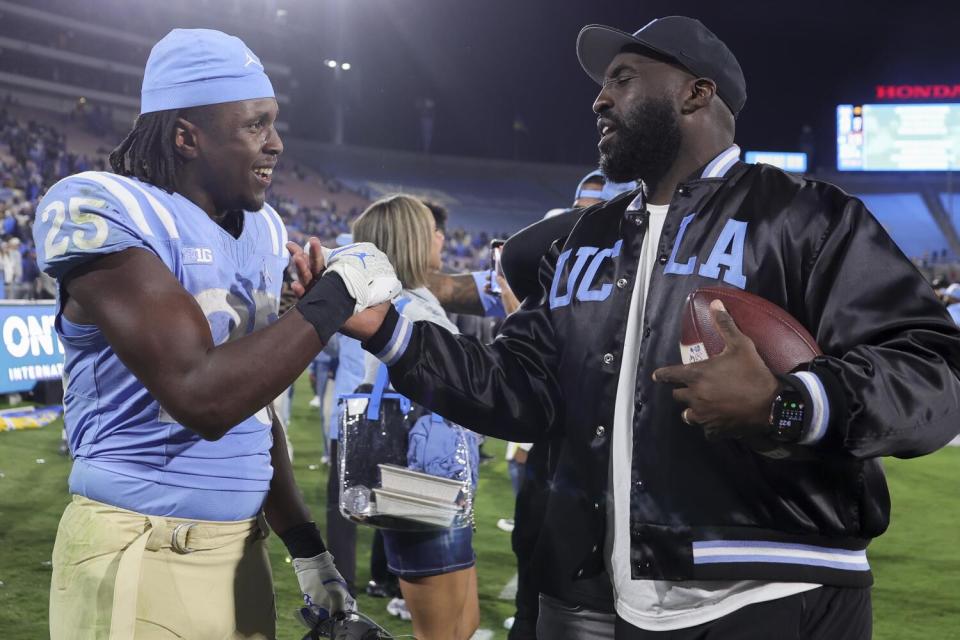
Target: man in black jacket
[703,535]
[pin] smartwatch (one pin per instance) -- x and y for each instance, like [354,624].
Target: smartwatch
[787,415]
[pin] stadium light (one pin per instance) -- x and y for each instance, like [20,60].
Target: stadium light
[330,63]
[345,66]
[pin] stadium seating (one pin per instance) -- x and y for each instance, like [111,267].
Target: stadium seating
[482,195]
[907,219]
[319,189]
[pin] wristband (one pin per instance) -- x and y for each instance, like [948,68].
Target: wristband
[327,305]
[303,540]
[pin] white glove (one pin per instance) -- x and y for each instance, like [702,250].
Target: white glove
[366,272]
[324,589]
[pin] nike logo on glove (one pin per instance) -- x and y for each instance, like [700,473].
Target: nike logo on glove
[361,255]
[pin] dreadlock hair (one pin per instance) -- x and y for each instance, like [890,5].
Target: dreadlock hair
[148,152]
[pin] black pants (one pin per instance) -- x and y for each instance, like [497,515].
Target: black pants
[528,515]
[825,613]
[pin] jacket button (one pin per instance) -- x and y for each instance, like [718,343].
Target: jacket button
[637,220]
[607,358]
[639,484]
[579,573]
[646,332]
[621,283]
[596,506]
[600,431]
[683,191]
[662,259]
[595,548]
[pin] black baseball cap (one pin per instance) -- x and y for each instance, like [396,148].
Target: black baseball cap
[684,40]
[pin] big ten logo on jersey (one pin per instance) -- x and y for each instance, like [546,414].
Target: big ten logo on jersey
[196,255]
[588,261]
[727,253]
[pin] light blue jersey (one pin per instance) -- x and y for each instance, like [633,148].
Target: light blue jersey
[128,451]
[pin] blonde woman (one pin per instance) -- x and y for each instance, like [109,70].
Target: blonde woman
[437,570]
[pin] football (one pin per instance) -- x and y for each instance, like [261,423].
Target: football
[781,341]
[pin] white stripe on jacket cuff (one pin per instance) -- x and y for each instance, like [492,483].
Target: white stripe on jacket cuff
[397,344]
[820,416]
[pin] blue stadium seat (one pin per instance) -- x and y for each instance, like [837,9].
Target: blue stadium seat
[907,219]
[480,194]
[951,202]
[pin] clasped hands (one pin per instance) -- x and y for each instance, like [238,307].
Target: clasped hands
[366,272]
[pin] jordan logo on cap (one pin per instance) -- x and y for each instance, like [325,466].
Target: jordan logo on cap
[252,59]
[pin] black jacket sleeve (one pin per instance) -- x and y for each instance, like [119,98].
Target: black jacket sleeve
[507,389]
[891,374]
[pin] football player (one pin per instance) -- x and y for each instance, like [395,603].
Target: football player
[169,272]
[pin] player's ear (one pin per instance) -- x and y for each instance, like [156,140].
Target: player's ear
[185,139]
[699,94]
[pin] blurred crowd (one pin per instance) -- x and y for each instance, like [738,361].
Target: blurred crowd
[463,250]
[35,155]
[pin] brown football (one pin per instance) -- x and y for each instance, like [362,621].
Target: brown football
[781,341]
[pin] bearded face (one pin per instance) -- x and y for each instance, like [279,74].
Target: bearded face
[643,144]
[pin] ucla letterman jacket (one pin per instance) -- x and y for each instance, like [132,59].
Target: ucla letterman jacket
[887,385]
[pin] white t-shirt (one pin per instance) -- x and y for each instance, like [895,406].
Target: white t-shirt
[658,605]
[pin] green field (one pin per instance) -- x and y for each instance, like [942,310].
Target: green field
[917,562]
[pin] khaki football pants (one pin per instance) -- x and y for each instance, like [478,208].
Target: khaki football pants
[122,575]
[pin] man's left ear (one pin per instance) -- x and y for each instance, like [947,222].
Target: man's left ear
[701,92]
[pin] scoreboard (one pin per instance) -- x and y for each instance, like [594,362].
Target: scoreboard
[898,137]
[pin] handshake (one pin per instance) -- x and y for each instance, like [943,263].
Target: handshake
[365,271]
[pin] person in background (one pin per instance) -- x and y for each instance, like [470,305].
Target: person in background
[516,457]
[341,532]
[321,375]
[524,249]
[13,268]
[467,294]
[12,264]
[951,297]
[31,274]
[593,598]
[437,570]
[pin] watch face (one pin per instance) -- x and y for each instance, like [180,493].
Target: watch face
[791,411]
[788,415]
